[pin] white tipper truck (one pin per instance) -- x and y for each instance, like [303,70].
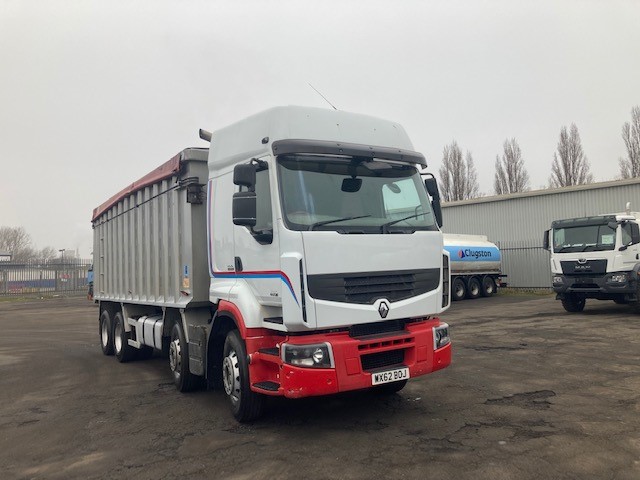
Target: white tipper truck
[595,257]
[299,255]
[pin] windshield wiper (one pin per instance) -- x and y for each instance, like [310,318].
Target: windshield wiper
[384,226]
[327,222]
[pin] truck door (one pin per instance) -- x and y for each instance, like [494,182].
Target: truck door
[257,260]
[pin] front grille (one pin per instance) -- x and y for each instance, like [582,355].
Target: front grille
[372,361]
[376,328]
[367,287]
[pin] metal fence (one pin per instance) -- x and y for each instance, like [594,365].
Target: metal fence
[526,264]
[48,278]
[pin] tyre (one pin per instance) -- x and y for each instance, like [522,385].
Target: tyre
[458,289]
[473,288]
[488,286]
[105,329]
[179,361]
[390,388]
[573,303]
[123,351]
[246,405]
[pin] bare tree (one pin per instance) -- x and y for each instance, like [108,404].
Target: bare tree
[570,165]
[511,176]
[17,242]
[630,166]
[47,254]
[458,177]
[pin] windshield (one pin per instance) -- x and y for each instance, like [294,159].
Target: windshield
[352,195]
[589,238]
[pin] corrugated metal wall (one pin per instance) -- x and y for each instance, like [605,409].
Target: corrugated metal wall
[516,222]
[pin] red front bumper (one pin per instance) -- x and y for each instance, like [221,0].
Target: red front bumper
[416,344]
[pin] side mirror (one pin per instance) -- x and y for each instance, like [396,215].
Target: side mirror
[244,208]
[244,174]
[432,189]
[635,233]
[545,240]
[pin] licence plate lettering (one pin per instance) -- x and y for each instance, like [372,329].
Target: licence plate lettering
[390,376]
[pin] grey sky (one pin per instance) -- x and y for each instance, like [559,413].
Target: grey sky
[94,94]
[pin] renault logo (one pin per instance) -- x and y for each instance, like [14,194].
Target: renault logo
[383,309]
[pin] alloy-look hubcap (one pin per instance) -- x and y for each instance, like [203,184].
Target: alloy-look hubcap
[175,358]
[231,376]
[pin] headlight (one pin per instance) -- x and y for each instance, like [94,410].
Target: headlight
[557,279]
[441,336]
[618,278]
[317,355]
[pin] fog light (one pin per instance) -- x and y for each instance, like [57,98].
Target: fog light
[312,356]
[441,336]
[618,278]
[557,279]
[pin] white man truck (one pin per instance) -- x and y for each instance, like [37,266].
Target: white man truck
[299,255]
[595,257]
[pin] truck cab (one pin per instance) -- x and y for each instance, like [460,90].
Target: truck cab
[595,257]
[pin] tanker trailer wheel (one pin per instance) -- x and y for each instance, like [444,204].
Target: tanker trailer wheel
[473,288]
[573,303]
[458,289]
[246,405]
[106,333]
[179,361]
[124,352]
[488,286]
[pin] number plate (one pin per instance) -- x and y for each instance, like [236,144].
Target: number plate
[390,376]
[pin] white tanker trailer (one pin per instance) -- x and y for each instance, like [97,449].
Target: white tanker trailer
[475,266]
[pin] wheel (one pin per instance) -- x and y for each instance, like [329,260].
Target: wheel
[390,388]
[488,286]
[573,303]
[124,352]
[473,288]
[246,405]
[458,289]
[179,361]
[106,333]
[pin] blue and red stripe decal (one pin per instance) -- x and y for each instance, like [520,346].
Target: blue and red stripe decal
[246,275]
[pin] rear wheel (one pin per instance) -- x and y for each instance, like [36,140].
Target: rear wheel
[124,352]
[458,289]
[573,303]
[246,405]
[473,288]
[106,333]
[488,286]
[179,361]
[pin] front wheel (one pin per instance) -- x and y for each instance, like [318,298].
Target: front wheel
[246,405]
[573,303]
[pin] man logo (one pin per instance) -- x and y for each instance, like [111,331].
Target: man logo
[383,309]
[582,261]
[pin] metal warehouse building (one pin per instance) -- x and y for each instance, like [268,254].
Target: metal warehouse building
[516,222]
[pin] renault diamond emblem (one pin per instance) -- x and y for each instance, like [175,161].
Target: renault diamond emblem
[383,309]
[582,261]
